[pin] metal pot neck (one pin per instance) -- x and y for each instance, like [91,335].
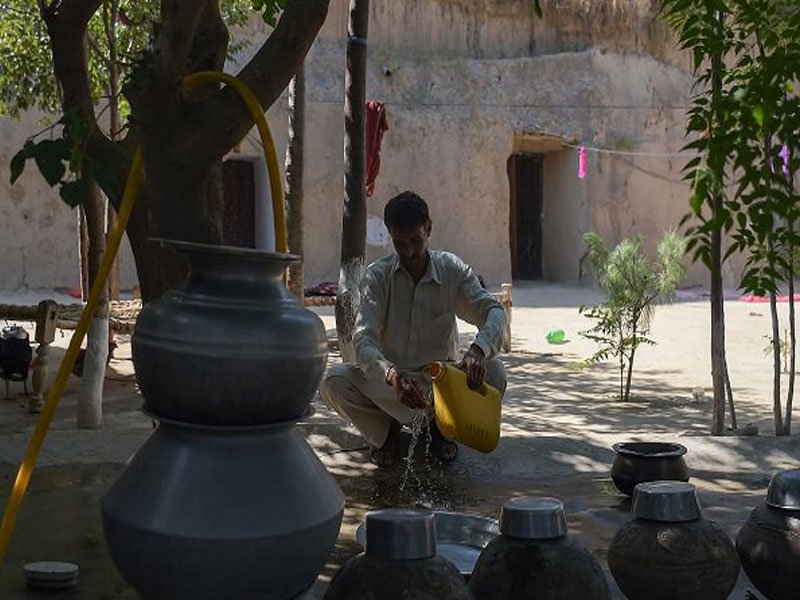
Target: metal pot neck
[228,271]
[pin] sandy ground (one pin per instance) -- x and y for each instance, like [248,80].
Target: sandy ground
[558,427]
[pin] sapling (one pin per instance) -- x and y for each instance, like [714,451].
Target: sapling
[632,285]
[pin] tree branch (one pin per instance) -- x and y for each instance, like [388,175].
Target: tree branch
[75,11]
[267,75]
[179,21]
[67,23]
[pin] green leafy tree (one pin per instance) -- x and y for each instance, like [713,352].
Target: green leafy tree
[631,285]
[744,123]
[183,136]
[110,72]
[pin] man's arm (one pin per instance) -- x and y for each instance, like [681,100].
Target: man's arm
[476,306]
[369,323]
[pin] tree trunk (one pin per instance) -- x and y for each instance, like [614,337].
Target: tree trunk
[354,219]
[729,393]
[66,26]
[717,292]
[787,421]
[629,375]
[776,365]
[90,396]
[294,178]
[110,14]
[183,136]
[83,253]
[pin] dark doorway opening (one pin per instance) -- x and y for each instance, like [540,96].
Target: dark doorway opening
[239,216]
[527,204]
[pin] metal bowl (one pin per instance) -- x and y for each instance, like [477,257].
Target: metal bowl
[639,462]
[533,518]
[784,490]
[460,537]
[668,501]
[650,449]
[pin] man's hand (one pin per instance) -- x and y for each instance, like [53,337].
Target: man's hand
[473,363]
[407,390]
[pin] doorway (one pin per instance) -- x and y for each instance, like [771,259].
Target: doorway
[238,185]
[526,212]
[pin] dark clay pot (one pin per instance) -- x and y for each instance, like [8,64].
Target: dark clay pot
[555,569]
[769,547]
[693,560]
[639,462]
[366,578]
[232,346]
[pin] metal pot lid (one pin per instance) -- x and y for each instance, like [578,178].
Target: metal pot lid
[533,518]
[400,534]
[668,501]
[650,449]
[784,490]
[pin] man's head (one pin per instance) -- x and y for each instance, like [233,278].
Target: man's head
[407,218]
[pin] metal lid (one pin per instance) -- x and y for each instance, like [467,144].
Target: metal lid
[669,501]
[399,534]
[533,518]
[784,490]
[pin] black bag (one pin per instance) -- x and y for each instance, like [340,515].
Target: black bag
[15,353]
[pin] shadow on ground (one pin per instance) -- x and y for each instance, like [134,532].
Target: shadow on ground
[558,426]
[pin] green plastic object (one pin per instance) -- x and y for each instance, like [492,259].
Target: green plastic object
[555,336]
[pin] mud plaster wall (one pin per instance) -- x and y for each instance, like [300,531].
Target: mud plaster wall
[462,80]
[38,232]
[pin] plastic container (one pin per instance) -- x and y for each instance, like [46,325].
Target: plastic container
[471,417]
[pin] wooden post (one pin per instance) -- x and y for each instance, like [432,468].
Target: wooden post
[507,302]
[44,336]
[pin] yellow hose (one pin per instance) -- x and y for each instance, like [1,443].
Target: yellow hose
[128,199]
[203,77]
[54,395]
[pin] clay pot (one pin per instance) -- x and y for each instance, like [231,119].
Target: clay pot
[204,513]
[535,558]
[399,562]
[232,346]
[687,557]
[640,462]
[769,542]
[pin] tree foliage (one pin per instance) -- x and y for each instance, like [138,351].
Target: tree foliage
[744,123]
[631,285]
[70,69]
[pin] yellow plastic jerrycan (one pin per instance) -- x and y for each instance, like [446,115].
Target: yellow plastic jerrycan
[471,417]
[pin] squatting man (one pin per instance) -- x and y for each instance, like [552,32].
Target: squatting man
[405,322]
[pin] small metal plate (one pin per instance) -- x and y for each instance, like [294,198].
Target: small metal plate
[460,537]
[51,574]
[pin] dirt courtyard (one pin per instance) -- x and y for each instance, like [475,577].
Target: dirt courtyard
[559,423]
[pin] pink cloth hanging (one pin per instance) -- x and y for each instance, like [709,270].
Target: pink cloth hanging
[784,154]
[581,162]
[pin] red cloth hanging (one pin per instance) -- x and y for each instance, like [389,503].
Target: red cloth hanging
[376,126]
